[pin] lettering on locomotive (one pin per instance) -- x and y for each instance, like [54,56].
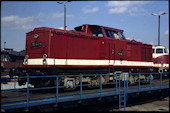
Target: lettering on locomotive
[36,44]
[120,54]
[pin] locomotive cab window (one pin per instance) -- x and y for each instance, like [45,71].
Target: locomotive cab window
[78,28]
[96,31]
[109,33]
[121,36]
[153,50]
[165,50]
[159,50]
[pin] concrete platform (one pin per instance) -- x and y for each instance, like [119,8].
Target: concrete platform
[159,105]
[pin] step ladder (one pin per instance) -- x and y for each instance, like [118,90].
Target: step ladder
[123,92]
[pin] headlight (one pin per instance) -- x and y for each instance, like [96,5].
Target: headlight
[44,56]
[44,61]
[36,36]
[26,59]
[26,56]
[26,62]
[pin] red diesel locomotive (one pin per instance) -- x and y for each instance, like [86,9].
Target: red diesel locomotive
[89,49]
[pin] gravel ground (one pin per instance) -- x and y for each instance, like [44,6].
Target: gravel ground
[158,105]
[161,105]
[154,101]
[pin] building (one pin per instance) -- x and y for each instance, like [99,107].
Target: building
[11,59]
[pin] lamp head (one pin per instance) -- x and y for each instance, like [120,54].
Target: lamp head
[60,2]
[163,13]
[154,14]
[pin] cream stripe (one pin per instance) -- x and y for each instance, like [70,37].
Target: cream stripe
[160,65]
[51,61]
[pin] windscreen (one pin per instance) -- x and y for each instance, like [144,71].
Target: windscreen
[96,31]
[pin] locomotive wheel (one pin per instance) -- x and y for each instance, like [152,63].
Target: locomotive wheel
[131,80]
[69,89]
[22,81]
[106,79]
[94,82]
[42,82]
[93,86]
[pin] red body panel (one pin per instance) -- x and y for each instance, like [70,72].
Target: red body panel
[162,60]
[37,52]
[65,44]
[73,47]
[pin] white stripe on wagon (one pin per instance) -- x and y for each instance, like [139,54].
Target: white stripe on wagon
[161,65]
[50,61]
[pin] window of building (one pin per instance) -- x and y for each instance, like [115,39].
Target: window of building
[5,59]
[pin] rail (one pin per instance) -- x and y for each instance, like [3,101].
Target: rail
[11,97]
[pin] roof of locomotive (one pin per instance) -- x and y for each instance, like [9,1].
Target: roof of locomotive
[47,28]
[59,30]
[156,46]
[109,28]
[54,29]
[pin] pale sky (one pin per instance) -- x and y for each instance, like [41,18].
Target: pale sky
[134,17]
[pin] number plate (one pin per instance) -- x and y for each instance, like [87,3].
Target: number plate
[36,44]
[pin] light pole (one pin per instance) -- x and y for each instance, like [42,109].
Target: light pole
[158,25]
[4,45]
[64,14]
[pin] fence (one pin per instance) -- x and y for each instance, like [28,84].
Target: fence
[121,85]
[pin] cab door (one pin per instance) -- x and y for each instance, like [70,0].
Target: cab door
[120,52]
[111,52]
[117,54]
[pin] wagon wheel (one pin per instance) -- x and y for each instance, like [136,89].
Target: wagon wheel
[95,82]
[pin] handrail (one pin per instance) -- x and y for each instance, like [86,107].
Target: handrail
[100,91]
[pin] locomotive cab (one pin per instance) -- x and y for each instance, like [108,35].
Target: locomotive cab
[159,50]
[100,31]
[161,58]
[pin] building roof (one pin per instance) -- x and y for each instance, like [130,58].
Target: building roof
[12,52]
